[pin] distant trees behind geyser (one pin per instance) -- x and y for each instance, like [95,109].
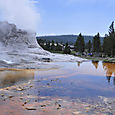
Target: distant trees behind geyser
[93,47]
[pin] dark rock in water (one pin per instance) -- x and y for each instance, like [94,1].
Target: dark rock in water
[46,59]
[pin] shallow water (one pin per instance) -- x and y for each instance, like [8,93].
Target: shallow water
[87,79]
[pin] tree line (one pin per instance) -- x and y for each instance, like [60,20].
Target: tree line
[93,47]
[107,48]
[54,46]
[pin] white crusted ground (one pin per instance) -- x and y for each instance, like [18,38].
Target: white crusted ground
[19,49]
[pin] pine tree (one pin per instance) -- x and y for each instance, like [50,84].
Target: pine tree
[111,28]
[96,44]
[80,45]
[67,49]
[89,46]
[58,47]
[109,42]
[52,45]
[47,46]
[107,45]
[112,37]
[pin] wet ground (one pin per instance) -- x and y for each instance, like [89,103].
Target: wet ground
[86,88]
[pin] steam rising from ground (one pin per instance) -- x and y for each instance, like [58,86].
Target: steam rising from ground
[23,13]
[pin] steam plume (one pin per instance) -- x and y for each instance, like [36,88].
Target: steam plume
[23,13]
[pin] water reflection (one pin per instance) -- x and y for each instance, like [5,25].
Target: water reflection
[87,79]
[78,64]
[9,78]
[95,63]
[84,79]
[110,70]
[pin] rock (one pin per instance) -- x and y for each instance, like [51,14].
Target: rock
[2,95]
[31,86]
[21,98]
[59,105]
[19,89]
[48,84]
[7,88]
[76,113]
[10,96]
[46,59]
[25,102]
[43,105]
[30,108]
[36,100]
[22,104]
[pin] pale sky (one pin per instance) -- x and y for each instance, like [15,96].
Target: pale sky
[75,16]
[50,17]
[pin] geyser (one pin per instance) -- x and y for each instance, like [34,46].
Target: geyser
[19,49]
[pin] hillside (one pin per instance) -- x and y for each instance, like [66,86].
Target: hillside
[66,38]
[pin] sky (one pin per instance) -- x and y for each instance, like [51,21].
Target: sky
[75,16]
[57,17]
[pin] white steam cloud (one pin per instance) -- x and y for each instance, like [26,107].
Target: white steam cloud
[23,13]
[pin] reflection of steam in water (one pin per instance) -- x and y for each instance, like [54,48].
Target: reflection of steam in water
[110,70]
[9,78]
